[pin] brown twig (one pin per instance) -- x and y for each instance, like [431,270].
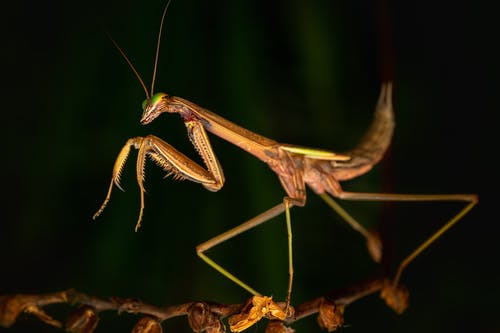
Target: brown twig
[202,315]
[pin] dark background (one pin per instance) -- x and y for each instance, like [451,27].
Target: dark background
[304,72]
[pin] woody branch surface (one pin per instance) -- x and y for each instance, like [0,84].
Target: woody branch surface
[202,315]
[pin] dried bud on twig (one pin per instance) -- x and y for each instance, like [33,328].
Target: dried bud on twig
[196,316]
[277,326]
[201,318]
[396,297]
[147,324]
[83,320]
[253,311]
[216,327]
[331,315]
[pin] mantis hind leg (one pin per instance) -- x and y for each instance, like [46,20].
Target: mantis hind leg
[373,242]
[394,294]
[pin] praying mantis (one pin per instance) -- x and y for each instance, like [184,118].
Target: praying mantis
[295,166]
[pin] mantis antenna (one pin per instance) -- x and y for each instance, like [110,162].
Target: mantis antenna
[131,66]
[158,47]
[157,53]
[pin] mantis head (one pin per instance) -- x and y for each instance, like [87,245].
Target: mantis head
[154,104]
[153,107]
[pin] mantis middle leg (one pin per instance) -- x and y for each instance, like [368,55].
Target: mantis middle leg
[285,206]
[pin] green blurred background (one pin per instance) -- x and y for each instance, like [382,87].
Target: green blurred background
[304,72]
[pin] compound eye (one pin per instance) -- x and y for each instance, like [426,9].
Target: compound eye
[144,104]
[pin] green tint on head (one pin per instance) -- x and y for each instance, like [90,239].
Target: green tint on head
[157,98]
[154,100]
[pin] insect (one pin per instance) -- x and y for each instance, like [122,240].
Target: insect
[295,166]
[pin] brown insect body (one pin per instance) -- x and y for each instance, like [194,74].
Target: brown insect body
[295,166]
